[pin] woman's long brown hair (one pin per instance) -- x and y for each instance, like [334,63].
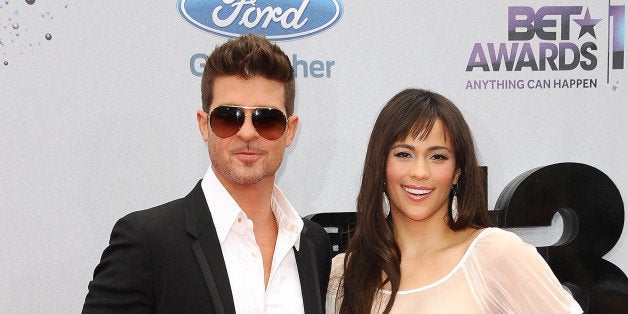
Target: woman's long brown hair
[373,257]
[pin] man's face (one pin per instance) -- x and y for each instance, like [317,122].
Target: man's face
[246,157]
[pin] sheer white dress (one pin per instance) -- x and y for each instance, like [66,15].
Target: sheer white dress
[499,273]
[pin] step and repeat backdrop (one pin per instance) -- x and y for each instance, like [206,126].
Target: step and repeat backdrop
[98,106]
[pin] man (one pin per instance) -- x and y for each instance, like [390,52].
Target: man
[234,244]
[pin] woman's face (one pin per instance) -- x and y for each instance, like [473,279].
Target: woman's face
[420,174]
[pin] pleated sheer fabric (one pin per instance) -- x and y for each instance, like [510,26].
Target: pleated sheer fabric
[499,273]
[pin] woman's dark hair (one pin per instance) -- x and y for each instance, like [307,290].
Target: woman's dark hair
[373,257]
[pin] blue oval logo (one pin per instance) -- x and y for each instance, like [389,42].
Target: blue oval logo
[277,20]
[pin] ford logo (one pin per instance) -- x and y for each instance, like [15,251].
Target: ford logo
[277,20]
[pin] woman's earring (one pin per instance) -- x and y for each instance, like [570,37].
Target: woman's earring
[386,205]
[454,203]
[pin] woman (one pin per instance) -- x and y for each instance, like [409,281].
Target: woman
[423,241]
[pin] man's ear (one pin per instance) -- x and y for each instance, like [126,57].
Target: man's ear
[291,132]
[203,126]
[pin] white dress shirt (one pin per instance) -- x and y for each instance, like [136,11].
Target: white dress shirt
[243,257]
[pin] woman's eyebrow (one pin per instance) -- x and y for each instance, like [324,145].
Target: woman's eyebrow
[430,149]
[433,148]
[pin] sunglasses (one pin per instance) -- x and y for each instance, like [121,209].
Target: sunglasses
[226,121]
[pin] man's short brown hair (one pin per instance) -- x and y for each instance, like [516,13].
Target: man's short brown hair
[249,56]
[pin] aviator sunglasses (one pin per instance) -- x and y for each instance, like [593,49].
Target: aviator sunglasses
[226,121]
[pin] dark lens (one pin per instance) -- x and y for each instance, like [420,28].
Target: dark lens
[270,123]
[226,121]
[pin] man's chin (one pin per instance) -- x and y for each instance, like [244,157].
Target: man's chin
[249,177]
[244,174]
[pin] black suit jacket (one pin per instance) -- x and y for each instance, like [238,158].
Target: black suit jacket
[167,259]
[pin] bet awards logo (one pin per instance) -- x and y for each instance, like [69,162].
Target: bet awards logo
[554,38]
[277,20]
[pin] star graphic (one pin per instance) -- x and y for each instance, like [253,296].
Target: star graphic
[587,24]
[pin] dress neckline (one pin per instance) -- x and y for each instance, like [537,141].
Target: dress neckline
[448,275]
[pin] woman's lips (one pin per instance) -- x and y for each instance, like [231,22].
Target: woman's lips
[417,193]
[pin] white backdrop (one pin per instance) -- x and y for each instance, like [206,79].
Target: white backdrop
[98,119]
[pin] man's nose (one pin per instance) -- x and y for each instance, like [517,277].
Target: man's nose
[247,131]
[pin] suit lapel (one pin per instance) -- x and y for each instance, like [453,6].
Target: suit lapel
[308,276]
[206,249]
